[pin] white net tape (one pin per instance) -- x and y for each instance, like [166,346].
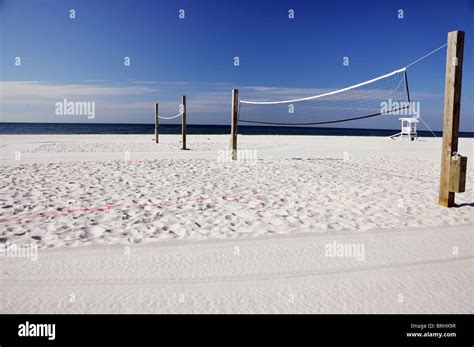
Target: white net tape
[173,117]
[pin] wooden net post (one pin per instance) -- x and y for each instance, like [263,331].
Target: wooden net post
[453,166]
[183,123]
[234,120]
[157,125]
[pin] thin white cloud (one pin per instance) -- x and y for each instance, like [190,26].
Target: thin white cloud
[162,83]
[38,90]
[422,96]
[257,93]
[95,80]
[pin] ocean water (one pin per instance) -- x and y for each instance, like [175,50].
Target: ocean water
[90,128]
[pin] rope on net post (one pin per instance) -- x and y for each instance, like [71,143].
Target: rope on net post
[426,55]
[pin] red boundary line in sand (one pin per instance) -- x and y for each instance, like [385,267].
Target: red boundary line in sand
[109,207]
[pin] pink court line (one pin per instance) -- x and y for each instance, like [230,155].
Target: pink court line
[109,207]
[138,161]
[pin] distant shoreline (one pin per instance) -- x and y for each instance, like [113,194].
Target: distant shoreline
[192,129]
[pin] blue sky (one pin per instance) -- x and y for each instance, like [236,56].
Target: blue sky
[83,59]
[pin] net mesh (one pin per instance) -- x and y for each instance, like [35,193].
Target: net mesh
[384,95]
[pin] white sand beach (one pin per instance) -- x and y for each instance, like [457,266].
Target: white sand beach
[314,224]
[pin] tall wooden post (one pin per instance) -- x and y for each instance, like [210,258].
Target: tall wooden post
[233,128]
[183,123]
[452,107]
[157,125]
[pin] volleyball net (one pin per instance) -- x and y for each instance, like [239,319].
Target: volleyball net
[383,95]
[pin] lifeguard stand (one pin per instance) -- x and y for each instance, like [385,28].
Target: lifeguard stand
[408,129]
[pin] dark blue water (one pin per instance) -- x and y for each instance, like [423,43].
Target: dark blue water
[82,128]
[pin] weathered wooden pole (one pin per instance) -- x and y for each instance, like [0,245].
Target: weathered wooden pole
[157,125]
[233,128]
[453,166]
[183,122]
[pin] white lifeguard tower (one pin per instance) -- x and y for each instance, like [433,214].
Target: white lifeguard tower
[408,129]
